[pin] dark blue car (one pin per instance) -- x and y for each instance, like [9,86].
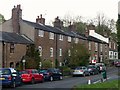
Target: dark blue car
[51,74]
[9,77]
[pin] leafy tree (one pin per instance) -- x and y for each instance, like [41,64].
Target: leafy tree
[79,56]
[80,27]
[2,19]
[32,57]
[103,30]
[77,21]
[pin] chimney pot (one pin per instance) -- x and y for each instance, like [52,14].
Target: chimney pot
[40,19]
[70,22]
[14,6]
[18,6]
[57,17]
[40,15]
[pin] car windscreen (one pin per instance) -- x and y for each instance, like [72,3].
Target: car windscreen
[78,68]
[42,71]
[23,72]
[5,72]
[91,67]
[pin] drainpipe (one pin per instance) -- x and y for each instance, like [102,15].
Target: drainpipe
[98,52]
[3,54]
[56,59]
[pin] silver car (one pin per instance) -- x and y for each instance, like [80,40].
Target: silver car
[82,70]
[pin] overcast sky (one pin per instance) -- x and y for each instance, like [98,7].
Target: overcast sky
[52,8]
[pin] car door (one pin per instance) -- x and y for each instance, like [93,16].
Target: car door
[84,69]
[34,74]
[57,72]
[54,73]
[16,77]
[38,76]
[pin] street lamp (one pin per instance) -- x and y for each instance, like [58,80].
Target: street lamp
[40,64]
[23,63]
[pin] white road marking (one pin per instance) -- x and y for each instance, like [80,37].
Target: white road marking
[100,80]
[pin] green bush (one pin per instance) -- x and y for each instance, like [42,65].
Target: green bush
[46,64]
[65,70]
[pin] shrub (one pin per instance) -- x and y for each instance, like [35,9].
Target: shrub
[65,70]
[46,64]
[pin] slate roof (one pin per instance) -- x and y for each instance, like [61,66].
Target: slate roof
[55,30]
[52,29]
[91,38]
[13,38]
[79,36]
[42,27]
[59,31]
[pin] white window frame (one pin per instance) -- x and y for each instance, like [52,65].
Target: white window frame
[96,46]
[105,46]
[101,47]
[41,33]
[51,52]
[115,55]
[114,46]
[12,48]
[101,58]
[89,45]
[76,40]
[60,52]
[69,39]
[40,50]
[69,52]
[109,44]
[51,35]
[61,37]
[111,54]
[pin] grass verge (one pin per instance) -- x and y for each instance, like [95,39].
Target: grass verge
[109,85]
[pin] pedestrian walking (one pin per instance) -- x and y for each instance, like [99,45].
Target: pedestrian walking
[104,75]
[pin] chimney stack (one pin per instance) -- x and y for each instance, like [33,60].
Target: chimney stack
[40,19]
[89,27]
[16,16]
[58,23]
[72,27]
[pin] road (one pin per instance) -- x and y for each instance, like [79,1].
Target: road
[69,82]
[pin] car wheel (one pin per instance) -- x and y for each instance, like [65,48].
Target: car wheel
[21,82]
[93,73]
[61,77]
[83,74]
[51,78]
[13,84]
[32,81]
[89,74]
[42,80]
[73,75]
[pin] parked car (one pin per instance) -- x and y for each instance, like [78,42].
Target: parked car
[31,75]
[51,74]
[9,77]
[93,69]
[101,67]
[117,63]
[82,70]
